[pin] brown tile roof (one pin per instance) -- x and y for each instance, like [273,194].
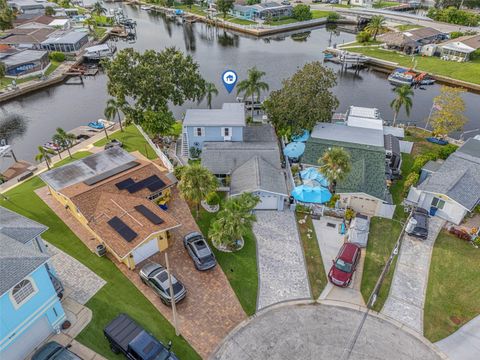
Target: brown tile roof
[42,19]
[27,36]
[422,33]
[472,41]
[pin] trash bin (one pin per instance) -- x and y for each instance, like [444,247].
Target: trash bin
[101,250]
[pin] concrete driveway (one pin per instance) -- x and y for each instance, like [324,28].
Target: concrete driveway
[320,331]
[463,344]
[407,294]
[281,264]
[330,241]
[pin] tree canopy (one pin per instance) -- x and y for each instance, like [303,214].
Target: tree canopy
[302,12]
[144,85]
[224,6]
[448,115]
[6,16]
[335,164]
[305,99]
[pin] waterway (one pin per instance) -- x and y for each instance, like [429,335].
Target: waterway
[216,50]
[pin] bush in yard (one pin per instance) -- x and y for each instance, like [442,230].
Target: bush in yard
[302,12]
[213,199]
[475,55]
[363,37]
[455,34]
[253,2]
[421,160]
[177,171]
[411,179]
[57,56]
[333,17]
[300,208]
[195,152]
[333,200]
[349,214]
[447,150]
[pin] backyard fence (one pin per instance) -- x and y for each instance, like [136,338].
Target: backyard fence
[166,161]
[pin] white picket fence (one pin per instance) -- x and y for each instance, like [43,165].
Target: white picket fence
[166,161]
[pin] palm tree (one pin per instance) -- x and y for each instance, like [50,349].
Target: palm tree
[376,24]
[234,220]
[404,98]
[44,155]
[64,139]
[98,9]
[210,90]
[196,183]
[334,165]
[252,86]
[112,110]
[12,126]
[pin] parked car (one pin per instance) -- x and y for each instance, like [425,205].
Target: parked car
[54,351]
[156,276]
[127,337]
[418,224]
[199,251]
[113,143]
[285,2]
[344,266]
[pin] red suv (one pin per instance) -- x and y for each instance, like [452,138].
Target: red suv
[344,265]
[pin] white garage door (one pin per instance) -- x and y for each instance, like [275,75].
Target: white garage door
[363,205]
[28,341]
[267,202]
[145,251]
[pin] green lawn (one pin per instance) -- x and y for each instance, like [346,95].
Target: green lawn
[99,32]
[356,43]
[384,4]
[5,81]
[467,71]
[67,159]
[316,271]
[317,14]
[240,267]
[132,140]
[406,27]
[238,21]
[285,21]
[381,241]
[194,9]
[117,296]
[453,290]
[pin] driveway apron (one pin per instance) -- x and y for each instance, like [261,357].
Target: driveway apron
[463,344]
[407,294]
[281,264]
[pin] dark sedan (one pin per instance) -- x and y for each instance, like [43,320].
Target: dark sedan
[199,251]
[418,224]
[54,351]
[156,276]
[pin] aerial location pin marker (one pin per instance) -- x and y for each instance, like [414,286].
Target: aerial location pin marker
[229,78]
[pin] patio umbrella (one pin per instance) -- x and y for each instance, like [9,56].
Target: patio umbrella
[309,194]
[312,174]
[294,150]
[301,138]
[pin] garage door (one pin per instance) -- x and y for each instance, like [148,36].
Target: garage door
[363,205]
[28,341]
[145,251]
[267,202]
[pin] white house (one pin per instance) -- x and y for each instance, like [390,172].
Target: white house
[453,190]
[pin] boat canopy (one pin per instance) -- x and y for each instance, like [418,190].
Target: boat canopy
[294,150]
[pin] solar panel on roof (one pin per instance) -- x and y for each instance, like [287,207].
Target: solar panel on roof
[124,184]
[157,185]
[122,229]
[142,184]
[105,175]
[150,215]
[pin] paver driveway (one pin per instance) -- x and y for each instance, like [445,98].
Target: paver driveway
[407,294]
[281,264]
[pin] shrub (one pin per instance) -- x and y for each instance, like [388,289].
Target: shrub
[422,160]
[49,11]
[177,171]
[213,199]
[411,179]
[195,152]
[57,56]
[475,55]
[447,150]
[363,37]
[253,2]
[349,214]
[453,15]
[300,208]
[333,17]
[455,34]
[333,200]
[302,12]
[295,169]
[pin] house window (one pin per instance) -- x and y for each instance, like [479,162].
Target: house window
[23,291]
[199,131]
[438,203]
[226,131]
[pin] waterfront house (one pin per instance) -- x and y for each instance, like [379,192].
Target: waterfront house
[29,291]
[66,41]
[451,189]
[460,49]
[26,9]
[41,21]
[116,196]
[261,11]
[411,41]
[26,63]
[26,38]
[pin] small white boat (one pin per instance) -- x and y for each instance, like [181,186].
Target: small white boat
[257,105]
[52,146]
[99,52]
[347,58]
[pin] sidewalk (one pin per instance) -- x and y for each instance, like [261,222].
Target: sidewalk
[464,344]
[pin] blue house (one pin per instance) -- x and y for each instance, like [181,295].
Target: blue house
[261,11]
[206,125]
[29,290]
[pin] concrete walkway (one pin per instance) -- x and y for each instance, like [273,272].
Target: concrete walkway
[407,294]
[281,264]
[464,344]
[330,241]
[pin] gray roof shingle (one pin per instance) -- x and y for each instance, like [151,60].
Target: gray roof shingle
[459,176]
[349,134]
[19,227]
[231,114]
[257,174]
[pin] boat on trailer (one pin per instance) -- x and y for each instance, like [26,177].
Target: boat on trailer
[401,77]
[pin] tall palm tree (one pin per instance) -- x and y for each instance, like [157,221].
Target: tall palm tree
[252,86]
[234,220]
[334,165]
[404,98]
[210,90]
[196,183]
[376,25]
[98,8]
[44,155]
[113,109]
[66,140]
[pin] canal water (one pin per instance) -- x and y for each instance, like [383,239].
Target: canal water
[216,50]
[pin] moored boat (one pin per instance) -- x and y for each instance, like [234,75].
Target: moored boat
[52,146]
[96,124]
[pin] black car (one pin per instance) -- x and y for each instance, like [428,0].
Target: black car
[418,224]
[156,276]
[113,143]
[54,351]
[199,251]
